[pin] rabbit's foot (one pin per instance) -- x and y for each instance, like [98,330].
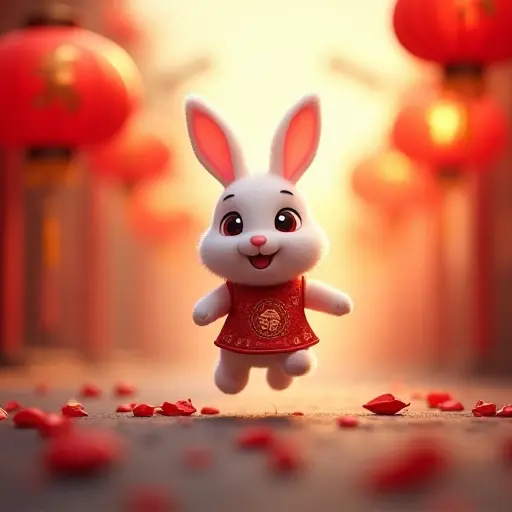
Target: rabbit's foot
[231,380]
[277,379]
[299,363]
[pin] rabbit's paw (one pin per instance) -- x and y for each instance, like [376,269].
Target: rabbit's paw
[202,315]
[342,305]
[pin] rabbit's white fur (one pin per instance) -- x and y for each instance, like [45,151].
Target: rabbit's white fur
[257,199]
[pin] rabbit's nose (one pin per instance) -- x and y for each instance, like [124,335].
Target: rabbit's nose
[258,240]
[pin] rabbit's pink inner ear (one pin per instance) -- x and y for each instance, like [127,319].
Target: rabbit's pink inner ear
[301,141]
[213,146]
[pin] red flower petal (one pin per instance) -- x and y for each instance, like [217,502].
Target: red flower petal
[421,463]
[505,412]
[451,406]
[28,418]
[209,411]
[144,410]
[297,413]
[387,397]
[256,438]
[347,422]
[180,408]
[42,389]
[284,459]
[124,408]
[3,414]
[436,398]
[74,410]
[12,406]
[124,389]
[54,425]
[170,409]
[90,391]
[197,458]
[484,409]
[82,452]
[150,499]
[386,405]
[186,406]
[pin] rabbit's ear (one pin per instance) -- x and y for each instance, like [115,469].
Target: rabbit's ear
[296,139]
[213,142]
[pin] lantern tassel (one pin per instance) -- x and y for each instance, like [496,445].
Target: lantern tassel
[51,259]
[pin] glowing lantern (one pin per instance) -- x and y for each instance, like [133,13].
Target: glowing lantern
[154,216]
[451,133]
[464,36]
[132,156]
[392,182]
[62,88]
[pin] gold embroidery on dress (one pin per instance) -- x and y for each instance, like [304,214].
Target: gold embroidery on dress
[228,338]
[269,318]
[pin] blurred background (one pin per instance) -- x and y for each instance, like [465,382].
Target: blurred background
[102,201]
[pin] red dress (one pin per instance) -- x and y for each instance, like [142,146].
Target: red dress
[266,319]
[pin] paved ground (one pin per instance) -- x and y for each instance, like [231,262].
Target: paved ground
[334,460]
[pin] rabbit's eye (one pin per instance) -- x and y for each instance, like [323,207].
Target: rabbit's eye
[287,220]
[231,224]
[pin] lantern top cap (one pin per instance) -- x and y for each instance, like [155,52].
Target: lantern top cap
[53,14]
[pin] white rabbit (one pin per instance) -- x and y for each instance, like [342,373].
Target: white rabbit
[261,242]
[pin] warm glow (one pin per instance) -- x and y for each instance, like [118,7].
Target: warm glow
[390,183]
[447,122]
[158,198]
[263,60]
[396,167]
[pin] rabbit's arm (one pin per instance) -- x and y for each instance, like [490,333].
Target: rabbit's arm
[213,306]
[326,299]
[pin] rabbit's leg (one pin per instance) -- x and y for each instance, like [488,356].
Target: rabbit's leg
[276,377]
[299,363]
[232,372]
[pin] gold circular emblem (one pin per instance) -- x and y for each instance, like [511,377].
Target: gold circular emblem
[269,318]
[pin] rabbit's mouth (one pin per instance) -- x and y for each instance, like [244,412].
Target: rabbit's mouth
[261,261]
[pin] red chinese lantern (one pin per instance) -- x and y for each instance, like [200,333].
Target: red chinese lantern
[63,88]
[154,216]
[450,133]
[392,182]
[132,156]
[463,36]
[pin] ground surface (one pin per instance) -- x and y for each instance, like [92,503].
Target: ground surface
[334,460]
